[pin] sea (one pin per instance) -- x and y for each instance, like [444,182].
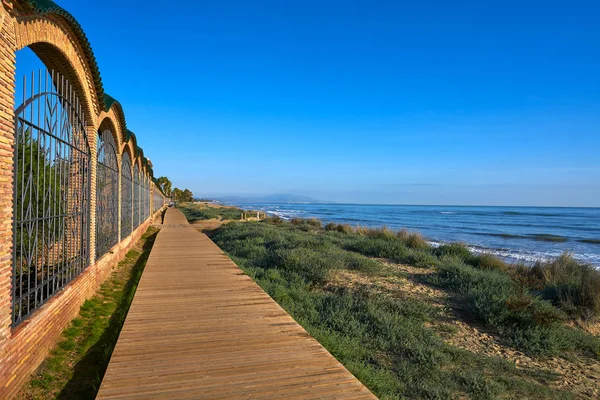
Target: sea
[517,234]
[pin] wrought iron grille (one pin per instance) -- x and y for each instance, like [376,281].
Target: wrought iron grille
[143,198]
[126,196]
[107,194]
[146,198]
[136,196]
[51,191]
[157,201]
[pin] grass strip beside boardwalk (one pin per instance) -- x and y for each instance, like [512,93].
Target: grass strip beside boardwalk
[75,367]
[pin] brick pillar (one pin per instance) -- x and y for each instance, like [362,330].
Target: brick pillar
[92,137]
[7,126]
[119,196]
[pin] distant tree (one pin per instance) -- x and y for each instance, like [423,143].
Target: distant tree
[182,196]
[165,185]
[188,196]
[176,194]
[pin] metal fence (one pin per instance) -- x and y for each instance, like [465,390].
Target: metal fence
[107,194]
[136,196]
[51,191]
[146,207]
[157,201]
[126,196]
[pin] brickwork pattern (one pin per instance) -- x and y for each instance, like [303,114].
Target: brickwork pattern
[25,346]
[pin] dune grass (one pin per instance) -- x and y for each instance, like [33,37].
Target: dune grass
[385,340]
[75,367]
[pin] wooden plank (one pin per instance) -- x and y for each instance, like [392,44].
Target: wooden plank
[199,328]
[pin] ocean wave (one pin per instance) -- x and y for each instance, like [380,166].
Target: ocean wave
[523,256]
[283,215]
[540,237]
[449,212]
[534,214]
[571,227]
[589,241]
[533,257]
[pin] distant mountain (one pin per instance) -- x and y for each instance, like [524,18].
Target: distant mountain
[273,198]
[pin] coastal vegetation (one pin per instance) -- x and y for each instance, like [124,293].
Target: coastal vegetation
[399,313]
[75,367]
[200,212]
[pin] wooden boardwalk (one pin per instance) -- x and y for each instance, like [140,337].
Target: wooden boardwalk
[199,328]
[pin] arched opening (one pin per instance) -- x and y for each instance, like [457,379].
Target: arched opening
[126,196]
[52,173]
[146,197]
[107,193]
[136,196]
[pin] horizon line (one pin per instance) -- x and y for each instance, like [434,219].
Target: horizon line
[411,205]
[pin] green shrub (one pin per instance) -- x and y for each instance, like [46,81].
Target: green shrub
[488,261]
[571,285]
[419,258]
[330,227]
[197,212]
[276,219]
[315,222]
[528,322]
[526,309]
[362,230]
[360,263]
[382,248]
[414,240]
[380,233]
[454,250]
[344,228]
[479,387]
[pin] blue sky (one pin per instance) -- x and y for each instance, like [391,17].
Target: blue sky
[429,102]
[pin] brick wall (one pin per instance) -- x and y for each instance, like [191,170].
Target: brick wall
[24,347]
[31,340]
[7,100]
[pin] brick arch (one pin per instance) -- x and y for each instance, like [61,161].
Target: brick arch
[142,158]
[114,109]
[138,161]
[53,42]
[131,140]
[108,120]
[128,148]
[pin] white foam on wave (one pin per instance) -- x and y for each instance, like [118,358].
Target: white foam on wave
[279,214]
[525,256]
[284,214]
[532,257]
[448,212]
